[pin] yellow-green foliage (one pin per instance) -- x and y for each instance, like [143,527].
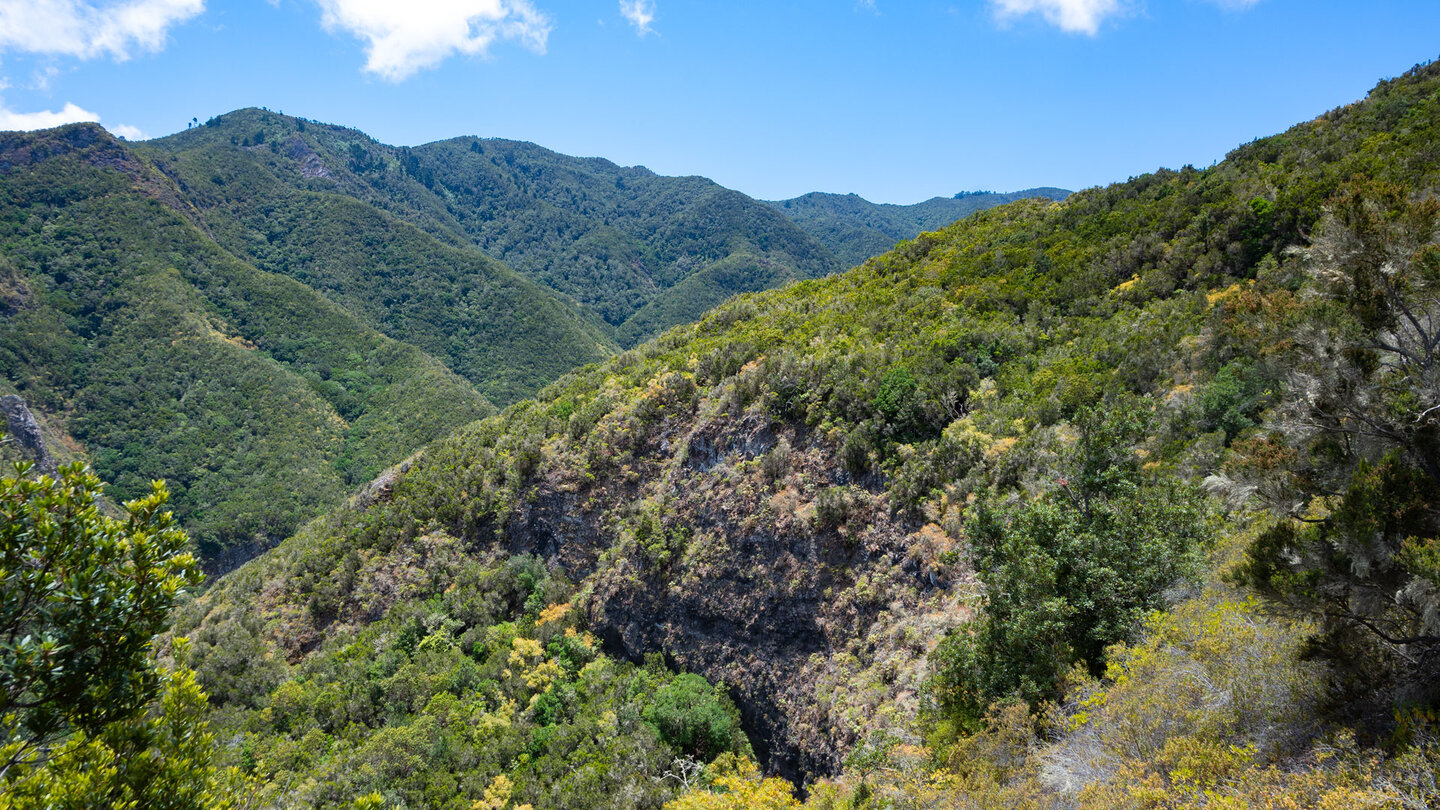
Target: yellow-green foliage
[1334,776]
[994,768]
[485,695]
[736,784]
[1212,708]
[1215,687]
[163,759]
[1215,666]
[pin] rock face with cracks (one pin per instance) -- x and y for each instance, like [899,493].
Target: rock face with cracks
[726,572]
[21,427]
[706,545]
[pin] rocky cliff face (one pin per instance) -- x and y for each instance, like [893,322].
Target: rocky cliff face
[21,428]
[730,542]
[723,562]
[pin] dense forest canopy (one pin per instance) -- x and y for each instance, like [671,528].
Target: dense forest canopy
[616,240]
[143,344]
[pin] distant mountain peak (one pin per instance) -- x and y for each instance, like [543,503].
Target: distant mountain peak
[855,229]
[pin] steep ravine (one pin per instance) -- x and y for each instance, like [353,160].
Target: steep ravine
[758,598]
[729,542]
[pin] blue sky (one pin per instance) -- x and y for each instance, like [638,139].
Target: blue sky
[896,101]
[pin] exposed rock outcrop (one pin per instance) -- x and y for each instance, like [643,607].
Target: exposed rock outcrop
[15,292]
[745,587]
[96,146]
[311,164]
[24,431]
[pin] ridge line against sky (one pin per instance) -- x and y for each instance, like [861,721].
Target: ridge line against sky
[896,101]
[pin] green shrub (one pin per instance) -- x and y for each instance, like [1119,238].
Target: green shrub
[691,716]
[1071,572]
[1233,400]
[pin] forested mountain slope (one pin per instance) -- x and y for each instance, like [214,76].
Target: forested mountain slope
[907,512]
[641,252]
[388,254]
[129,329]
[645,251]
[855,229]
[392,240]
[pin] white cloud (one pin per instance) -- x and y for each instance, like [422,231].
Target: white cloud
[69,114]
[44,119]
[127,132]
[640,13]
[1073,16]
[87,29]
[403,37]
[43,78]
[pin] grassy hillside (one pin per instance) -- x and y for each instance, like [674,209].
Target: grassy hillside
[854,229]
[936,523]
[165,356]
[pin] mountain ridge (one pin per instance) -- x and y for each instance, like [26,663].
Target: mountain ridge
[390,248]
[616,239]
[857,229]
[569,223]
[158,351]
